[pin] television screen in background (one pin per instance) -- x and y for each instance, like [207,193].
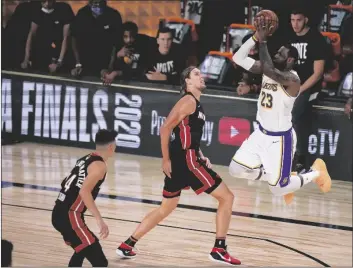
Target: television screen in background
[236,37]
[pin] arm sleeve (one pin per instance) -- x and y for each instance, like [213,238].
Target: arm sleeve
[241,56]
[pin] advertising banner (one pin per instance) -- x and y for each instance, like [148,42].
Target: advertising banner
[67,112]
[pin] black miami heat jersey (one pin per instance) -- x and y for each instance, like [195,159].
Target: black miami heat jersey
[187,135]
[69,197]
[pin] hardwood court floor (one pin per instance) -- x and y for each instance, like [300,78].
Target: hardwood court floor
[315,230]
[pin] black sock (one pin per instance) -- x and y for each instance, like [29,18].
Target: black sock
[131,241]
[220,243]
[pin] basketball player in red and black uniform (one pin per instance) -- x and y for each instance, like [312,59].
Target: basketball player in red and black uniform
[185,166]
[78,192]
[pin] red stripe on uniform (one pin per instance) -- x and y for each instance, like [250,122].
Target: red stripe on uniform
[80,247]
[76,228]
[78,225]
[166,193]
[199,171]
[185,134]
[76,203]
[80,207]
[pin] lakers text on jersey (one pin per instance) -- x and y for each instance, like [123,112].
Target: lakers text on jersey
[274,106]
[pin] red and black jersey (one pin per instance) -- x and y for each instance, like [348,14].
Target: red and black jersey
[69,197]
[187,135]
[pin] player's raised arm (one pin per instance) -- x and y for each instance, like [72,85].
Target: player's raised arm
[184,107]
[241,57]
[286,78]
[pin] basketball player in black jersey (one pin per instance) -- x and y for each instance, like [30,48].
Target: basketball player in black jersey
[78,192]
[185,166]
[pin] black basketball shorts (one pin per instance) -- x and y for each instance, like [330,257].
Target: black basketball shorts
[188,170]
[73,229]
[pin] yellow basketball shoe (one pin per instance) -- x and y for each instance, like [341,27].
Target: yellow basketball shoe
[288,198]
[324,179]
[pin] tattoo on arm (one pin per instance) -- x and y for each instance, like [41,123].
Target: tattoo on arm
[265,57]
[256,68]
[285,78]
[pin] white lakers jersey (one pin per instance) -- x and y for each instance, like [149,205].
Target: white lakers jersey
[274,106]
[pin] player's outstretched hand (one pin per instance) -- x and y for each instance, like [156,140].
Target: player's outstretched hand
[263,27]
[103,229]
[207,162]
[167,167]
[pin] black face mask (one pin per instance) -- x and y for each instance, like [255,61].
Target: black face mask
[47,10]
[98,8]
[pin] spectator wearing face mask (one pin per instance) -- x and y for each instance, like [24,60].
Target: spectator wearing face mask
[165,61]
[47,40]
[96,30]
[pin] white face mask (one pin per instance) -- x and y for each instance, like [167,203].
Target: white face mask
[46,10]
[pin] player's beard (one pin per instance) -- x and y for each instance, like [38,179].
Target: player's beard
[280,65]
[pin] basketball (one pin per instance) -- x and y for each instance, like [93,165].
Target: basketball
[271,16]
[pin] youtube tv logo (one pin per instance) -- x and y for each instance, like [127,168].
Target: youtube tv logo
[233,131]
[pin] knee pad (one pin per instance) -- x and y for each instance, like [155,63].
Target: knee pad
[238,171]
[274,190]
[235,170]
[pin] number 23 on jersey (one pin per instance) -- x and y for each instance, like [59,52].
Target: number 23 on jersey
[266,100]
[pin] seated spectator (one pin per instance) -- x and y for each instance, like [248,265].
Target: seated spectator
[96,31]
[131,58]
[165,61]
[250,83]
[48,37]
[185,35]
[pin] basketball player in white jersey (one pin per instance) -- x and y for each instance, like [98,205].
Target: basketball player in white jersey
[267,154]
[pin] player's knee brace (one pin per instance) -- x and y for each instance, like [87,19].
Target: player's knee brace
[235,170]
[275,190]
[238,171]
[273,184]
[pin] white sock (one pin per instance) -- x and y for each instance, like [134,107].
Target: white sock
[309,176]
